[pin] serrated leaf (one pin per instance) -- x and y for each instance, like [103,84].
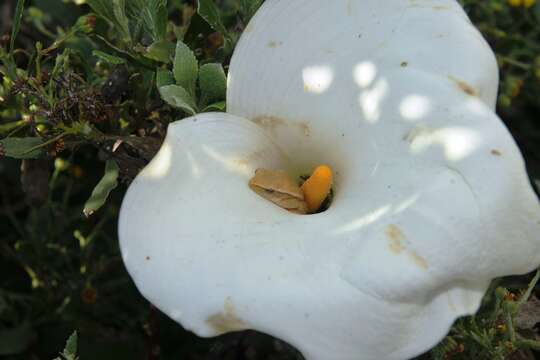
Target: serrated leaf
[162,51]
[209,12]
[158,15]
[178,97]
[119,10]
[102,8]
[114,11]
[164,78]
[185,67]
[101,192]
[70,351]
[212,82]
[150,16]
[21,148]
[111,59]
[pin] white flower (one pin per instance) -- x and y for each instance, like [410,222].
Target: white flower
[431,201]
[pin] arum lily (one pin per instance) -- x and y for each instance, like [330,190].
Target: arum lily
[431,198]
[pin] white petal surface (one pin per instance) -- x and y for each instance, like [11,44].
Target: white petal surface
[432,199]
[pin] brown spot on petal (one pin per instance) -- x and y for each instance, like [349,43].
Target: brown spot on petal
[274,44]
[226,321]
[441,7]
[269,122]
[395,238]
[397,242]
[496,152]
[273,122]
[255,156]
[304,128]
[418,260]
[463,86]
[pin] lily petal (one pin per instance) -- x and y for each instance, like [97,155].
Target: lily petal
[431,195]
[412,89]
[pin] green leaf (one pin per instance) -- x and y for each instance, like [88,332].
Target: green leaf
[16,24]
[21,148]
[16,340]
[162,51]
[101,192]
[213,82]
[119,10]
[102,8]
[185,67]
[164,78]
[114,11]
[159,16]
[108,58]
[218,106]
[209,12]
[11,126]
[178,97]
[150,15]
[249,7]
[70,351]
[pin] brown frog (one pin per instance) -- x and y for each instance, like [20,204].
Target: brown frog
[277,187]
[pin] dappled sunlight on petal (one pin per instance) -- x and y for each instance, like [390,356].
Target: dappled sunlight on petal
[404,205]
[414,107]
[457,143]
[195,168]
[365,73]
[161,164]
[233,164]
[370,100]
[317,79]
[362,221]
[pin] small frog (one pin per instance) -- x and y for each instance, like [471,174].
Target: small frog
[277,187]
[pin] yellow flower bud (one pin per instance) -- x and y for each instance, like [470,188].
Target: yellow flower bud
[317,187]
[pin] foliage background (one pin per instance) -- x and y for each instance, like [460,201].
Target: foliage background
[80,99]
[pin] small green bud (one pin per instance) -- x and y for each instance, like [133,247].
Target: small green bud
[86,23]
[60,164]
